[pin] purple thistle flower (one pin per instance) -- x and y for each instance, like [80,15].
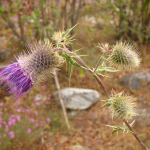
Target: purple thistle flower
[6,128]
[29,130]
[32,120]
[17,82]
[37,103]
[30,69]
[48,119]
[18,118]
[11,134]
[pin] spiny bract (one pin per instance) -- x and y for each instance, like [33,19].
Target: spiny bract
[61,38]
[124,56]
[122,106]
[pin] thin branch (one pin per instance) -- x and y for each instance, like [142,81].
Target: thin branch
[78,11]
[43,18]
[11,24]
[61,100]
[21,27]
[61,16]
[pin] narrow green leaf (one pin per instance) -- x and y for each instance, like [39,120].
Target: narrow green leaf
[33,14]
[69,59]
[104,68]
[2,9]
[64,34]
[114,131]
[71,68]
[124,128]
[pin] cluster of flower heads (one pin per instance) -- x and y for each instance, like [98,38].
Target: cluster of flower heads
[31,68]
[123,56]
[21,120]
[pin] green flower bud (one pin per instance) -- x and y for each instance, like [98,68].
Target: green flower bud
[124,56]
[122,106]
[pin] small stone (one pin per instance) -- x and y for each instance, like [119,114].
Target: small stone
[79,147]
[38,97]
[75,98]
[143,116]
[134,81]
[63,139]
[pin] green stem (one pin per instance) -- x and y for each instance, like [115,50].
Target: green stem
[100,60]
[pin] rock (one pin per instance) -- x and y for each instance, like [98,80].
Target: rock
[63,139]
[4,54]
[142,100]
[79,147]
[143,116]
[134,81]
[75,98]
[89,19]
[38,97]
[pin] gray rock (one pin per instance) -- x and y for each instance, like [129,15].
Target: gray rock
[134,81]
[143,116]
[75,98]
[4,54]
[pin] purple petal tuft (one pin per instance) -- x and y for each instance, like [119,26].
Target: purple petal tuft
[15,80]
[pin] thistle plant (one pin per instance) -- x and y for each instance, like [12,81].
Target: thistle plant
[43,60]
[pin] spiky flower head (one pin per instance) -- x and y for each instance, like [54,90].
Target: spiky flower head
[122,106]
[31,68]
[104,47]
[124,56]
[61,38]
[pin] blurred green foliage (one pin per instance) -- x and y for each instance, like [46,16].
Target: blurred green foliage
[130,18]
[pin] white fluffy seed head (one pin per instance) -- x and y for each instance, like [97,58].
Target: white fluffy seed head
[124,56]
[40,62]
[122,106]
